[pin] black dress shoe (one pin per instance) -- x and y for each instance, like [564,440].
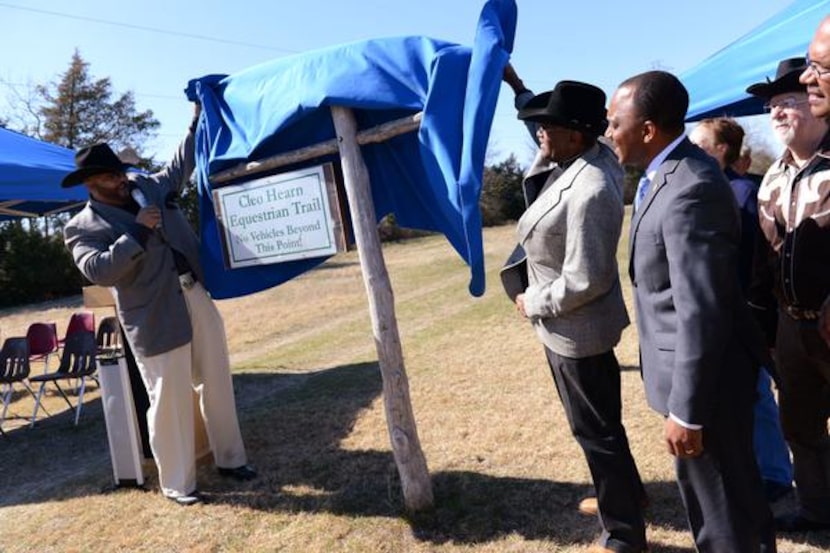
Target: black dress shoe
[241,473]
[187,499]
[797,523]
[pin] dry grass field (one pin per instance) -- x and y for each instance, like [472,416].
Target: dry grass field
[506,473]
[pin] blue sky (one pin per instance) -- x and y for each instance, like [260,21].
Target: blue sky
[154,47]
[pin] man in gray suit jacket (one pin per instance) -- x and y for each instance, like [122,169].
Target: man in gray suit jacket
[573,297]
[699,347]
[132,237]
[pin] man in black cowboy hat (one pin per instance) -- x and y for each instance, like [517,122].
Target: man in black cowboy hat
[572,294]
[792,280]
[133,239]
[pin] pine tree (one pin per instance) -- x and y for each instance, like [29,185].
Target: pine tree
[76,111]
[502,199]
[79,110]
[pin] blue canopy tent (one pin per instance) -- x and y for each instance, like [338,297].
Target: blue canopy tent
[430,179]
[717,86]
[30,176]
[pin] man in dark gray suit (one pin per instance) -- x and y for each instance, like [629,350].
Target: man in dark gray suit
[132,237]
[699,347]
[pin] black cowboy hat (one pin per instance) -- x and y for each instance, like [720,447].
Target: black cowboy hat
[571,104]
[92,160]
[786,80]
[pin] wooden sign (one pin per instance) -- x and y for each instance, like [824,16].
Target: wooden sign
[400,420]
[280,218]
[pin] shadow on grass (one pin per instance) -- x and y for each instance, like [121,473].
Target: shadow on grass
[294,427]
[295,439]
[55,460]
[290,421]
[475,508]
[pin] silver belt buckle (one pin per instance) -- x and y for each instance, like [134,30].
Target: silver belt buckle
[187,281]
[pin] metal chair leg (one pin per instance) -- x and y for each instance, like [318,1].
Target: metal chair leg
[32,392]
[7,398]
[37,403]
[80,401]
[63,395]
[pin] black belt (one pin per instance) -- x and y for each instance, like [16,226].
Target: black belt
[800,314]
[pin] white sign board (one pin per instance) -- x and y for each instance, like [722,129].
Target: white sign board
[280,218]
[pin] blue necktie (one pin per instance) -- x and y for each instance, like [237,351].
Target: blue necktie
[642,190]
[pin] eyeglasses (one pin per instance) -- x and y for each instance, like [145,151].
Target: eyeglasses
[820,71]
[784,103]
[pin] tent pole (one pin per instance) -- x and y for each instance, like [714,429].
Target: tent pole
[400,421]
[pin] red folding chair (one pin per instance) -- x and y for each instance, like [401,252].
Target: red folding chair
[43,342]
[81,321]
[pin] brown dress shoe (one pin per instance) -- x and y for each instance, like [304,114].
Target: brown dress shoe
[597,548]
[589,506]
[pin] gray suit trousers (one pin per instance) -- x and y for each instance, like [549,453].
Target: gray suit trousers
[721,489]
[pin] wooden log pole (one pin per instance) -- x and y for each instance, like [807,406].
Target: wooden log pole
[400,421]
[374,135]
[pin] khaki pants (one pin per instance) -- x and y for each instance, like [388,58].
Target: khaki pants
[170,378]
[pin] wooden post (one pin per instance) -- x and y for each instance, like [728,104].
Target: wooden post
[412,466]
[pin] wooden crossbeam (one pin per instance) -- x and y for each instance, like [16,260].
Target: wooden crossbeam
[374,135]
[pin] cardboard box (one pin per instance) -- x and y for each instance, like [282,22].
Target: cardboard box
[98,296]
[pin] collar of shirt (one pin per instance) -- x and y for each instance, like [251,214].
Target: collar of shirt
[658,160]
[823,151]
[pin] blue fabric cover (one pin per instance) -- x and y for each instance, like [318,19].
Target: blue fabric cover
[429,180]
[30,177]
[717,85]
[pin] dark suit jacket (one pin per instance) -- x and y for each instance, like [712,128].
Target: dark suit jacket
[692,318]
